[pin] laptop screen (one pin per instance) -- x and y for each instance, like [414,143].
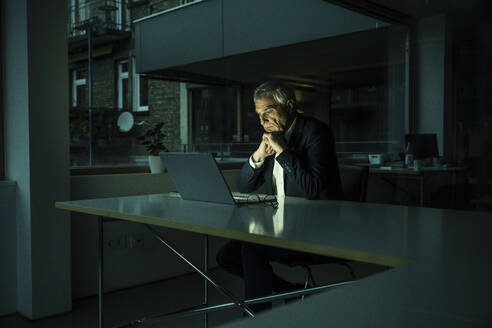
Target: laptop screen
[197,177]
[424,145]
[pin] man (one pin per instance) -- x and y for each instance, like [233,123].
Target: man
[296,157]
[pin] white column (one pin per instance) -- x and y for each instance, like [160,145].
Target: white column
[36,89]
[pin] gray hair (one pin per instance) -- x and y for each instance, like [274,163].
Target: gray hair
[277,91]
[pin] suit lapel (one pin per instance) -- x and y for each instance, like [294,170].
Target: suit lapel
[294,142]
[294,137]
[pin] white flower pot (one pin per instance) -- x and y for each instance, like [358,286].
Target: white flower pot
[155,164]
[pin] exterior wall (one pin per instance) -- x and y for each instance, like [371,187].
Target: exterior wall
[104,86]
[165,107]
[163,96]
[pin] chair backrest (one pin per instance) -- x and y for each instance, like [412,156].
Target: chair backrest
[354,181]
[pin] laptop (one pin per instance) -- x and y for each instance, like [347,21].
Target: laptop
[424,145]
[198,177]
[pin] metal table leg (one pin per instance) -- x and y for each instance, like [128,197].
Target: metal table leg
[238,302]
[100,272]
[198,310]
[205,269]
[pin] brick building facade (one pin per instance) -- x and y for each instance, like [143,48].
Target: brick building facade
[116,86]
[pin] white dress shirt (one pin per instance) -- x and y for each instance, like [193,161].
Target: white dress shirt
[278,171]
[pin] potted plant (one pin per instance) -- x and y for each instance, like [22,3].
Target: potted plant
[153,140]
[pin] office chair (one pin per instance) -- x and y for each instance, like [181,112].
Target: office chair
[354,185]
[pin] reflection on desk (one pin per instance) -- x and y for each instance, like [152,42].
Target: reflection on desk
[374,233]
[446,285]
[442,256]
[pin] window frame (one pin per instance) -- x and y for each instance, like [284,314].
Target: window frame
[76,83]
[119,85]
[76,13]
[119,14]
[135,169]
[136,90]
[123,15]
[72,14]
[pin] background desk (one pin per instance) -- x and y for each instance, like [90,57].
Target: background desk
[420,175]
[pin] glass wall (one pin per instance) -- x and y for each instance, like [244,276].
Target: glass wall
[101,136]
[472,69]
[359,90]
[365,100]
[371,87]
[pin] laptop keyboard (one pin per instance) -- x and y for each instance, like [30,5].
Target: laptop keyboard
[239,196]
[251,198]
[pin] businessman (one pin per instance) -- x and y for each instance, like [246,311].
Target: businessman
[296,157]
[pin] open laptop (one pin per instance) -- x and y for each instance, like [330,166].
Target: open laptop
[197,177]
[424,145]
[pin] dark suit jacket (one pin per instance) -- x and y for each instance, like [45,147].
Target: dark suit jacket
[310,164]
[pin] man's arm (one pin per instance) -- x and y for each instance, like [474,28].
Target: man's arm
[313,170]
[250,179]
[251,176]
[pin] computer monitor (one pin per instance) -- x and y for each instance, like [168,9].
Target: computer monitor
[424,145]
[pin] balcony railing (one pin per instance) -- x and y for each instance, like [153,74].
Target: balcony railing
[101,14]
[157,6]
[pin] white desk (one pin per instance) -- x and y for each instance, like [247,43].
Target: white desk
[443,255]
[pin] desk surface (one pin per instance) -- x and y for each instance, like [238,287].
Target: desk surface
[443,255]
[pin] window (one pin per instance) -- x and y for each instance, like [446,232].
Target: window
[119,14]
[218,117]
[362,93]
[369,105]
[122,15]
[79,13]
[123,84]
[79,88]
[113,15]
[79,118]
[140,91]
[214,115]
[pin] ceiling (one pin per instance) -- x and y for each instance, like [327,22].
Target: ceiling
[357,57]
[316,62]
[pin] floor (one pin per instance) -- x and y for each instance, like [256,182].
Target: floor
[165,296]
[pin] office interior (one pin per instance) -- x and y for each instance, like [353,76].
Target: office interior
[375,71]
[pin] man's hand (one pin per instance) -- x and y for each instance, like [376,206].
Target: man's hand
[264,150]
[276,141]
